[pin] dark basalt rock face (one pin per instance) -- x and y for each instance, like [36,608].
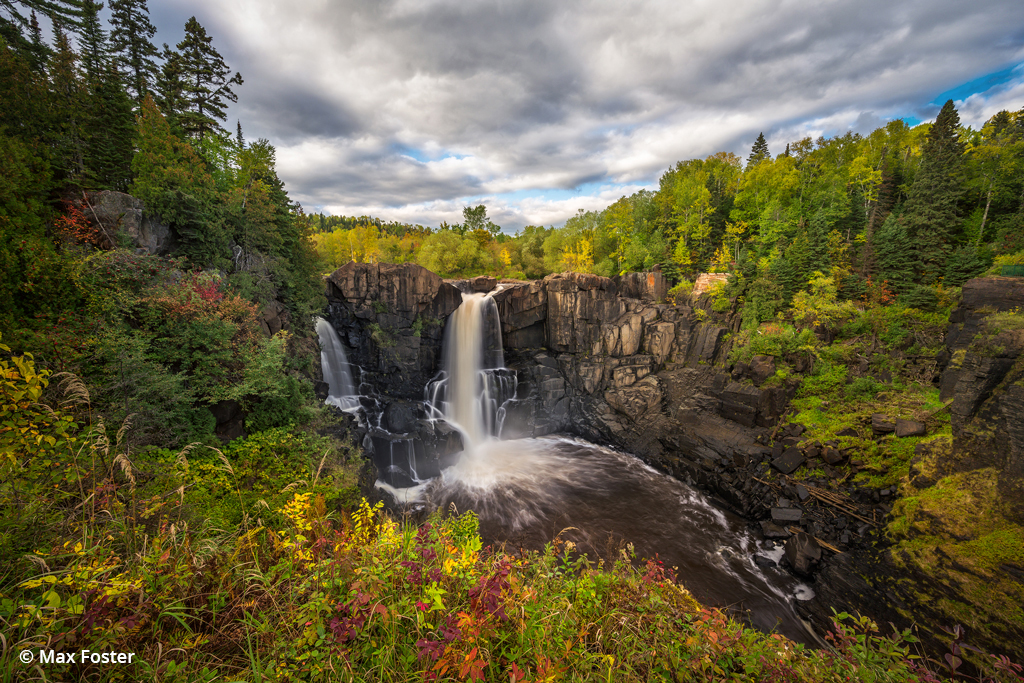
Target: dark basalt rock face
[984,376]
[390,318]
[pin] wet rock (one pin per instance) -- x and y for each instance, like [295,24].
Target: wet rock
[849,431]
[764,562]
[400,417]
[803,553]
[909,428]
[789,461]
[802,493]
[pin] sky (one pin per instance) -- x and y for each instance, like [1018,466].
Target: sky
[410,110]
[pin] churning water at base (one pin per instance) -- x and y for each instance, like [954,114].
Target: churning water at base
[527,491]
[335,367]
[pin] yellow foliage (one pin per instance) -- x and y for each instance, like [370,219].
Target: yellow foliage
[578,258]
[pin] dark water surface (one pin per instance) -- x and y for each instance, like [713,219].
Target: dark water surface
[526,491]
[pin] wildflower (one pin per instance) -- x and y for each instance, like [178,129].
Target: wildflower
[421,606]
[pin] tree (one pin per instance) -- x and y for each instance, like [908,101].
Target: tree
[175,184]
[68,98]
[932,207]
[131,43]
[205,82]
[170,87]
[93,42]
[759,152]
[476,219]
[65,12]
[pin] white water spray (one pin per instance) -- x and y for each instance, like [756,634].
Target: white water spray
[342,391]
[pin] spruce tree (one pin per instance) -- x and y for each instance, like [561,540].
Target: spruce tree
[894,262]
[109,131]
[38,50]
[93,42]
[931,209]
[131,43]
[68,98]
[759,152]
[170,87]
[205,81]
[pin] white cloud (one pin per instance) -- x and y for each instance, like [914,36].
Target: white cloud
[537,94]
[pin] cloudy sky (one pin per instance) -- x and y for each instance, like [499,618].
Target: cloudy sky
[411,109]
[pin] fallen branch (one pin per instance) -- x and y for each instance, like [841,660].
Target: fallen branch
[823,544]
[99,223]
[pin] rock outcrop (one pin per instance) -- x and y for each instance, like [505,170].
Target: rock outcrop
[122,216]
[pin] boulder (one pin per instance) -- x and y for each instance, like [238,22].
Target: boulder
[789,461]
[118,213]
[803,553]
[787,515]
[909,428]
[881,425]
[761,368]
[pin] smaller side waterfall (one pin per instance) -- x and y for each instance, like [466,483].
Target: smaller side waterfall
[335,368]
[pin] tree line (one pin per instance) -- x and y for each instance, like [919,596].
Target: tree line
[903,211]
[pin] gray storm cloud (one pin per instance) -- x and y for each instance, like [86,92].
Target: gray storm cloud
[407,106]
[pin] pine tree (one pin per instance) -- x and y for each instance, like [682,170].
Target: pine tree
[931,208]
[205,81]
[109,132]
[131,43]
[65,12]
[175,184]
[759,152]
[38,50]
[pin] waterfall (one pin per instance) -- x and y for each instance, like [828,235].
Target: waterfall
[473,383]
[335,368]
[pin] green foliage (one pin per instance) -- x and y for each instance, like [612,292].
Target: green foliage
[176,185]
[774,339]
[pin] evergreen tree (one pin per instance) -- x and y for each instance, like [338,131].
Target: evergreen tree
[131,43]
[175,184]
[39,52]
[170,87]
[14,24]
[68,98]
[93,42]
[109,132]
[759,152]
[205,81]
[931,209]
[894,262]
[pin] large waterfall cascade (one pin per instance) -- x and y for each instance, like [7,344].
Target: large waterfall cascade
[337,373]
[473,384]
